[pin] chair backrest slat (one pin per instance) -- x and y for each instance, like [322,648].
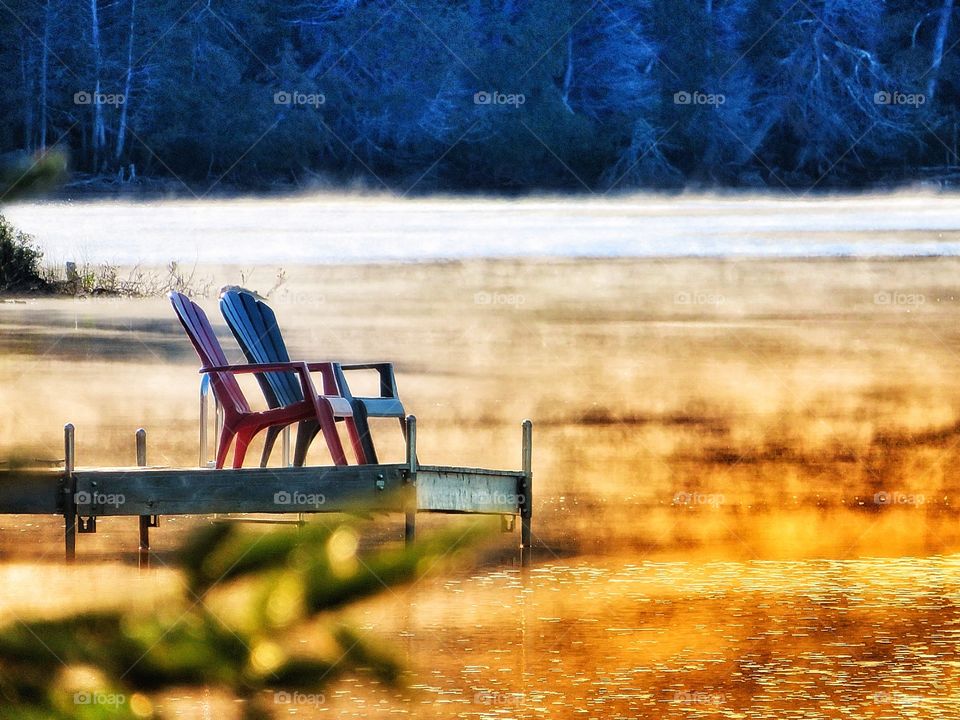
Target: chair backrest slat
[245,335]
[197,326]
[255,327]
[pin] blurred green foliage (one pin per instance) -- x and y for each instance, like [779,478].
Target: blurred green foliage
[22,175]
[282,584]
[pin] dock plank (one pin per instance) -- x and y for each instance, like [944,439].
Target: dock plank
[152,491]
[200,491]
[31,491]
[468,490]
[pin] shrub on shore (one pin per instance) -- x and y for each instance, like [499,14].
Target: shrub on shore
[20,261]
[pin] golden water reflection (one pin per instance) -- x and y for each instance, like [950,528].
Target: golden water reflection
[595,637]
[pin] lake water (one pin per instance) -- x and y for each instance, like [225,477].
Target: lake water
[332,228]
[637,638]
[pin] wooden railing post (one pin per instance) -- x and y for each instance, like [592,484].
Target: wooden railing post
[410,492]
[144,549]
[526,494]
[69,494]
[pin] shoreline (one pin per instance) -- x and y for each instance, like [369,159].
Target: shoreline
[83,185]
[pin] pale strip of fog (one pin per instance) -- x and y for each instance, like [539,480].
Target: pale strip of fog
[351,228]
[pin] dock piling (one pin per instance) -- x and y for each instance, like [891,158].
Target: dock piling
[69,494]
[410,494]
[526,494]
[143,556]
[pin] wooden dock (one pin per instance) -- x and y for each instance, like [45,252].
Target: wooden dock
[82,495]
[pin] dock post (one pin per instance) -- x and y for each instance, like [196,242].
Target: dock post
[410,492]
[143,556]
[526,494]
[69,494]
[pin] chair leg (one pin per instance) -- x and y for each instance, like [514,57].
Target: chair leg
[273,432]
[328,426]
[359,429]
[306,431]
[243,440]
[359,448]
[226,436]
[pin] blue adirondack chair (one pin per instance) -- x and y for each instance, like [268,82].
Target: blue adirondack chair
[254,325]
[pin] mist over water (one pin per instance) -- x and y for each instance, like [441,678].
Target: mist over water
[745,472]
[344,228]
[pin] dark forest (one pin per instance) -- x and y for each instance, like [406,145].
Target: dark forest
[505,96]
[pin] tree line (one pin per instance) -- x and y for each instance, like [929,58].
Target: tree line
[503,95]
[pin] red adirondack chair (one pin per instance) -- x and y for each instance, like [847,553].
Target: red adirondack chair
[243,423]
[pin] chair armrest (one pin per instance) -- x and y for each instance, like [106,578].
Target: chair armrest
[388,383]
[366,366]
[253,368]
[301,368]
